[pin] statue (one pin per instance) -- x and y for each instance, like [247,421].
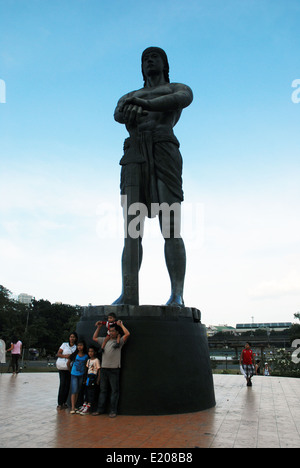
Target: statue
[151,185]
[151,173]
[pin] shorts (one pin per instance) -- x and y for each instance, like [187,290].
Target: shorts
[76,383]
[248,370]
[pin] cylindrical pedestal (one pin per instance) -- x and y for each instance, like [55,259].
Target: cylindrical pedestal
[165,363]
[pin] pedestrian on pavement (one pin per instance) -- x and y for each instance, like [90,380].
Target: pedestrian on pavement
[110,367]
[16,352]
[247,363]
[267,370]
[63,354]
[92,380]
[77,366]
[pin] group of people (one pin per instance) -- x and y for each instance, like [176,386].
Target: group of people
[83,376]
[248,366]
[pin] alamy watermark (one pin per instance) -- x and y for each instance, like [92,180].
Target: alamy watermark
[2,92]
[296,353]
[176,221]
[296,94]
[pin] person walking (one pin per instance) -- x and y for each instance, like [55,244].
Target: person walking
[247,363]
[16,351]
[110,367]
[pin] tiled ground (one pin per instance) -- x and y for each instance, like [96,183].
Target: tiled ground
[265,415]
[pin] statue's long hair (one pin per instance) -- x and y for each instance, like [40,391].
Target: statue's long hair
[163,55]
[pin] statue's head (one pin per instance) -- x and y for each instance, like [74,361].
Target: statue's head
[163,55]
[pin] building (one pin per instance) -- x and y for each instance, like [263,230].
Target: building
[25,298]
[273,326]
[211,330]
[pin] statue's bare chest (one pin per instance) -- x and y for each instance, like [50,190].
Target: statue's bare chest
[152,93]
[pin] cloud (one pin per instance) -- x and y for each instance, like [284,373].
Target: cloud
[275,288]
[9,250]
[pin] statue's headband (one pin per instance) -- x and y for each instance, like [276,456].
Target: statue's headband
[159,51]
[164,57]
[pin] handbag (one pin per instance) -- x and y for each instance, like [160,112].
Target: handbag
[61,363]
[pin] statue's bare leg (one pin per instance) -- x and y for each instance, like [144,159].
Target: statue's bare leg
[175,254]
[126,269]
[133,250]
[176,263]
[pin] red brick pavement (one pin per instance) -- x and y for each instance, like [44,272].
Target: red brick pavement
[264,415]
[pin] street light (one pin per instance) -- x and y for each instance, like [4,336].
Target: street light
[226,356]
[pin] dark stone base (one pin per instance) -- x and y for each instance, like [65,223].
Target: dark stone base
[165,363]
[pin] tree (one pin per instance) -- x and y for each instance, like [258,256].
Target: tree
[50,324]
[12,316]
[294,331]
[40,325]
[282,364]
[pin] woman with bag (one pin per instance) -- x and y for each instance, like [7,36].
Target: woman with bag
[63,355]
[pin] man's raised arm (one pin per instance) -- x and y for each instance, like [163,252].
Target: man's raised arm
[125,331]
[95,335]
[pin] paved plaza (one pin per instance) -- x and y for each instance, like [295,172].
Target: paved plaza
[266,415]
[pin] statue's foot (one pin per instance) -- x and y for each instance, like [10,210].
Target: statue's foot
[175,300]
[119,301]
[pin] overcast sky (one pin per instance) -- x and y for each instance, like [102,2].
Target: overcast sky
[65,63]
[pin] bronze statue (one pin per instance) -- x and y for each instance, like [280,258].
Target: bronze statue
[151,174]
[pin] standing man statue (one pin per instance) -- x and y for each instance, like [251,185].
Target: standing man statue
[151,173]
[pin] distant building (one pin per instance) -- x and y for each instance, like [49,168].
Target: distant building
[273,326]
[25,298]
[211,330]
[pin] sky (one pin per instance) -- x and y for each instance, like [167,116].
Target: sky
[63,66]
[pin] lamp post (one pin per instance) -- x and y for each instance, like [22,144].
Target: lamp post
[26,330]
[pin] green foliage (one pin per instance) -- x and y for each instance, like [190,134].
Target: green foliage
[283,365]
[294,331]
[40,325]
[12,316]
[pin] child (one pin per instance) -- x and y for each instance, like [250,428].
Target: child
[111,320]
[78,371]
[267,370]
[93,379]
[247,363]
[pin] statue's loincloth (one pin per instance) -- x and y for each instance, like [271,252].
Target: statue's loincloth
[148,157]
